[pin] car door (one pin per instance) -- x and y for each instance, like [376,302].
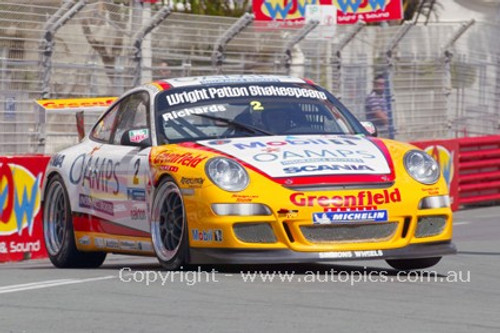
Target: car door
[119,169]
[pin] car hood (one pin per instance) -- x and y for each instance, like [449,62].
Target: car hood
[311,155]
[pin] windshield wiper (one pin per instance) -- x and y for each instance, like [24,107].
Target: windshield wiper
[249,128]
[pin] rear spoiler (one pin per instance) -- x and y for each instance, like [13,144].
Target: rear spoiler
[76,106]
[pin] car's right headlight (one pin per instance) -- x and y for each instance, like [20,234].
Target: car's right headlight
[227,174]
[421,167]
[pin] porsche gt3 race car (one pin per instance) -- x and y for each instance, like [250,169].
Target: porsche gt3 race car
[242,169]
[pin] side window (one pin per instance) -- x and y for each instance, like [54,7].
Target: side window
[102,131]
[133,114]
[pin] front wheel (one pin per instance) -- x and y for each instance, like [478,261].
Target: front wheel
[410,264]
[169,227]
[58,230]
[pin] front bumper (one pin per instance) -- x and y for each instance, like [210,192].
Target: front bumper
[236,256]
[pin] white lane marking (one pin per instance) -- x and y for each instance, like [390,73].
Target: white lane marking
[49,283]
[460,223]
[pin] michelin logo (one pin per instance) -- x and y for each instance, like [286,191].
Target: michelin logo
[350,216]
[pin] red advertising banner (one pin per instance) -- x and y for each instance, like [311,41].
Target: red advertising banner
[348,11]
[446,153]
[21,230]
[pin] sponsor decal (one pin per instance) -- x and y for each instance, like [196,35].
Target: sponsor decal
[238,79]
[348,11]
[351,254]
[352,216]
[332,167]
[431,190]
[20,197]
[288,213]
[103,206]
[57,160]
[145,246]
[196,110]
[285,156]
[171,168]
[137,213]
[112,243]
[99,242]
[192,182]
[138,135]
[302,156]
[98,174]
[445,160]
[218,142]
[300,141]
[128,245]
[136,194]
[85,240]
[244,198]
[362,200]
[186,159]
[76,103]
[218,235]
[204,94]
[207,235]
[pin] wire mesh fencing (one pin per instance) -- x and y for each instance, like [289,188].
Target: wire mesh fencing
[442,80]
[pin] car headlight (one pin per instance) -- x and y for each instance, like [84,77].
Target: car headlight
[421,167]
[227,174]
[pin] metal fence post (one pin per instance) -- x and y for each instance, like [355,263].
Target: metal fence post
[447,58]
[220,45]
[155,21]
[337,57]
[300,35]
[54,23]
[389,96]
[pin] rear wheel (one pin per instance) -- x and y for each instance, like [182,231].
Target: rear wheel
[169,227]
[410,264]
[58,230]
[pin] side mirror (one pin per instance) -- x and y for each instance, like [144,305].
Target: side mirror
[138,137]
[370,128]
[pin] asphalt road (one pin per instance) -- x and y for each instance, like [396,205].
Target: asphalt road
[356,297]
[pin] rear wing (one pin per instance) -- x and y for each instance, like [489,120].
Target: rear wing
[63,122]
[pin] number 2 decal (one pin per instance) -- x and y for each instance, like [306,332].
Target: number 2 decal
[256,106]
[137,164]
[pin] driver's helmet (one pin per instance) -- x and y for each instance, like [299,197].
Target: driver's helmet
[283,119]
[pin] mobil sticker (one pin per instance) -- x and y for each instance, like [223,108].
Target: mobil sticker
[316,155]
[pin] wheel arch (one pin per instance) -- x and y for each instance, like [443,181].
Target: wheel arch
[47,180]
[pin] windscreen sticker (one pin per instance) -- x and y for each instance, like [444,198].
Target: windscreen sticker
[196,110]
[204,94]
[138,135]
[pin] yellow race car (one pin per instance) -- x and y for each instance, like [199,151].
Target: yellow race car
[242,169]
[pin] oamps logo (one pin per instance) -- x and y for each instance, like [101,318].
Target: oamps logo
[19,199]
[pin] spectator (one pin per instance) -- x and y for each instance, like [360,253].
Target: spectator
[376,107]
[164,71]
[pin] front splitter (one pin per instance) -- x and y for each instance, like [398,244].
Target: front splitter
[237,256]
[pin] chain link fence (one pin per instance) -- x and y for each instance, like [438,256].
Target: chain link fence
[443,80]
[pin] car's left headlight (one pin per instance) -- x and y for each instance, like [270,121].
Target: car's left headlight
[421,167]
[227,174]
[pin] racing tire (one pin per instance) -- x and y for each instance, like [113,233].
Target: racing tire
[411,264]
[169,227]
[58,230]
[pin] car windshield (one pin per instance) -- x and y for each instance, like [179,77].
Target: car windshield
[247,110]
